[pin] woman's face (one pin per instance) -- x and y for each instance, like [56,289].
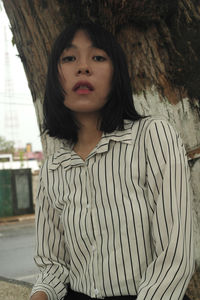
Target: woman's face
[86,75]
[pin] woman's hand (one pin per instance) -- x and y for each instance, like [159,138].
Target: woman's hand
[39,296]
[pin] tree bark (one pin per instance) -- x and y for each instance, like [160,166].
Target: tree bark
[161,39]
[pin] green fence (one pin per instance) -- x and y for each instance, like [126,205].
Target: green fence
[15,192]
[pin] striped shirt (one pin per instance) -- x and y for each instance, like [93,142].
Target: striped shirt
[120,222]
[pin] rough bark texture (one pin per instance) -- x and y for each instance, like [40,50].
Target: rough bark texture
[165,31]
[161,39]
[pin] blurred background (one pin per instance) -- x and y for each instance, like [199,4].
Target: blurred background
[20,160]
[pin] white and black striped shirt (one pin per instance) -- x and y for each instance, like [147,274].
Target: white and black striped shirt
[120,222]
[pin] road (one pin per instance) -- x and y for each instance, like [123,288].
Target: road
[17,250]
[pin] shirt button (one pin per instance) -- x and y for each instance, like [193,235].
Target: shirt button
[93,248]
[96,291]
[88,205]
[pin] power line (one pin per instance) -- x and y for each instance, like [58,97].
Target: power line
[17,94]
[14,95]
[13,103]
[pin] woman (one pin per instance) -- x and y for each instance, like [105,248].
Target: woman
[113,208]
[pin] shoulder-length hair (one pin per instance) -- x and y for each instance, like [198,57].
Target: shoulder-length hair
[59,121]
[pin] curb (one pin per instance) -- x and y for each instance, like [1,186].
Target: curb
[17,282]
[17,218]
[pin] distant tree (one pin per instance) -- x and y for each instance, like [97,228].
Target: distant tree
[6,146]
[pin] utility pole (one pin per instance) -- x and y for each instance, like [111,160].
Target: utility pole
[11,122]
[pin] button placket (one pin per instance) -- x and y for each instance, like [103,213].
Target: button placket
[96,291]
[94,248]
[94,264]
[88,205]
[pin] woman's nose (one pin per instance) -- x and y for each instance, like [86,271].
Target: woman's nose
[85,71]
[84,68]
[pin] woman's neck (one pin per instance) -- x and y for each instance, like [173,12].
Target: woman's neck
[88,135]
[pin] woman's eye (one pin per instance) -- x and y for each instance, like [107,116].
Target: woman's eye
[68,58]
[99,58]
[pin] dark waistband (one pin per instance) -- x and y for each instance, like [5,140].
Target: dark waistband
[75,295]
[72,295]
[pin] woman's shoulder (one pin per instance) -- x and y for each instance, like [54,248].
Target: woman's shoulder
[148,121]
[159,133]
[152,131]
[146,124]
[158,125]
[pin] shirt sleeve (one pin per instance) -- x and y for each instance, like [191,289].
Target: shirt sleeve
[51,253]
[169,196]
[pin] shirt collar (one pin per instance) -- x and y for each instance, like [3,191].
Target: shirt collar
[66,157]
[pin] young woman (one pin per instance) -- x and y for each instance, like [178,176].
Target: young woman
[113,209]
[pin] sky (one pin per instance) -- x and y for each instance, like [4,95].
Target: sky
[17,113]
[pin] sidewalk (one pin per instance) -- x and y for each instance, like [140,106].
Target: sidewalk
[11,289]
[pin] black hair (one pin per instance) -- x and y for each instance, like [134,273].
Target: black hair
[59,121]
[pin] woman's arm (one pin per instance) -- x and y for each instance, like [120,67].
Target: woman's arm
[167,277]
[51,253]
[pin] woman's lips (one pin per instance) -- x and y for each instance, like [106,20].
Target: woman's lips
[83,87]
[83,91]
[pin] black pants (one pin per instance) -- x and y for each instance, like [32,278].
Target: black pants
[74,295]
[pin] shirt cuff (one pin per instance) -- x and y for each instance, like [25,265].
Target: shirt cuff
[54,289]
[45,288]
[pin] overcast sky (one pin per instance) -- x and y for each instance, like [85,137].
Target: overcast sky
[17,113]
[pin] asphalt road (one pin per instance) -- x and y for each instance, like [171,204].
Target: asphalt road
[17,250]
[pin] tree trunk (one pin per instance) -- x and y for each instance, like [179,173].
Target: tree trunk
[161,39]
